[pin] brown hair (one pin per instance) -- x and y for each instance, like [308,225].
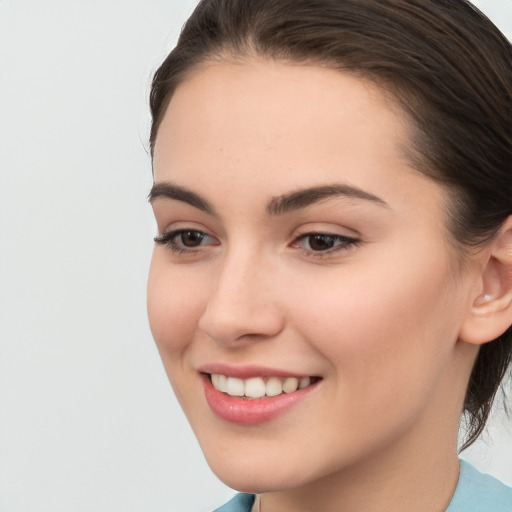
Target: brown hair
[447,66]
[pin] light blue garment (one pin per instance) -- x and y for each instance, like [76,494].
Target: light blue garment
[240,503]
[475,492]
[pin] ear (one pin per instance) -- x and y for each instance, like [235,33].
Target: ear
[491,311]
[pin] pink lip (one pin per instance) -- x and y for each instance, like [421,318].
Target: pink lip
[246,372]
[251,412]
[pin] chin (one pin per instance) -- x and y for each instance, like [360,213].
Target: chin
[244,478]
[259,470]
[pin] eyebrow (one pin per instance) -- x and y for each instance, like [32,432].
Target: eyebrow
[276,206]
[171,191]
[306,197]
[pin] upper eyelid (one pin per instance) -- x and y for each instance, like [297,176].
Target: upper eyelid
[296,236]
[175,231]
[348,239]
[327,233]
[171,233]
[166,235]
[173,227]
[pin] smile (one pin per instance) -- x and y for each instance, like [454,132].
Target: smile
[255,399]
[259,387]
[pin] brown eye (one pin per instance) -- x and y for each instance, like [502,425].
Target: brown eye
[183,240]
[190,238]
[325,244]
[321,242]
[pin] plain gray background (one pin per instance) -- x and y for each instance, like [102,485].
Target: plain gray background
[87,419]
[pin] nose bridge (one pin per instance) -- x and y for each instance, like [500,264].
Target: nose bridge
[240,268]
[242,301]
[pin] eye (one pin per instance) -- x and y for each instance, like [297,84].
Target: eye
[189,238]
[322,243]
[184,240]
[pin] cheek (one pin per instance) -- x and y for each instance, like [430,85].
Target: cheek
[387,346]
[174,306]
[384,327]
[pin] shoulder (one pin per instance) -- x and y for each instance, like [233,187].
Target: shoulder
[240,503]
[477,492]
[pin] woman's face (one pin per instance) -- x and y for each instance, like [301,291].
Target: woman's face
[299,248]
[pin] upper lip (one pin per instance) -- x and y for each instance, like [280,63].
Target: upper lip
[248,371]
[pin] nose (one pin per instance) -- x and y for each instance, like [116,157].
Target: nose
[243,302]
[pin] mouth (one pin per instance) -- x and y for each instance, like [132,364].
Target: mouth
[259,387]
[255,399]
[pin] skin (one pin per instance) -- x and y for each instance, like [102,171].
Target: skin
[379,320]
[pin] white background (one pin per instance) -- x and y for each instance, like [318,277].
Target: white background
[87,419]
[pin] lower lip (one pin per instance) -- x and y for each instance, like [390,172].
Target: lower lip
[251,412]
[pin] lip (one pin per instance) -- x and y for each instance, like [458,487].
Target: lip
[255,411]
[248,371]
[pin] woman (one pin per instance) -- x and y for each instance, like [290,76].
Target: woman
[331,286]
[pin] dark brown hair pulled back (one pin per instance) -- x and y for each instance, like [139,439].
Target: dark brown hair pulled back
[446,65]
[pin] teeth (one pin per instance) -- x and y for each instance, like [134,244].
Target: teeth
[273,387]
[235,387]
[290,385]
[220,382]
[304,382]
[256,387]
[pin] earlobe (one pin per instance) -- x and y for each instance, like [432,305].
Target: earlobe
[491,311]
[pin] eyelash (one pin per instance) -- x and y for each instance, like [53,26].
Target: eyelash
[345,243]
[168,240]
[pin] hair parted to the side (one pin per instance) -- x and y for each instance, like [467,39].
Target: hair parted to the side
[444,63]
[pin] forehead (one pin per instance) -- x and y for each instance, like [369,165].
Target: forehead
[264,106]
[253,129]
